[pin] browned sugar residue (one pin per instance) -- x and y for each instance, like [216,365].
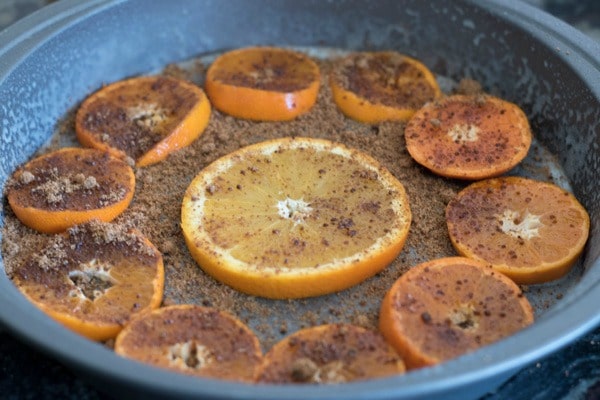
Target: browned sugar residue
[52,183]
[155,211]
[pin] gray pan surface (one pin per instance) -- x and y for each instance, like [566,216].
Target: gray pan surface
[53,59]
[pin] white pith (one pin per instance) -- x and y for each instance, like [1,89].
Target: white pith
[515,224]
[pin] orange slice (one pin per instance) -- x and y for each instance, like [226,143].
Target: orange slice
[447,307]
[68,187]
[330,354]
[192,340]
[292,218]
[144,118]
[263,83]
[94,278]
[529,230]
[468,137]
[373,87]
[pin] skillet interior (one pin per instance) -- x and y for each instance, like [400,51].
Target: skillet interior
[54,59]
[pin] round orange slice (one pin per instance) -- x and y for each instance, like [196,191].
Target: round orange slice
[447,307]
[334,353]
[263,83]
[68,187]
[292,218]
[373,87]
[93,278]
[145,118]
[192,340]
[531,231]
[468,136]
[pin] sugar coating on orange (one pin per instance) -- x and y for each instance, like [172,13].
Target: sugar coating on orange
[70,186]
[330,354]
[263,83]
[193,340]
[532,231]
[373,87]
[93,278]
[468,136]
[292,218]
[447,307]
[144,118]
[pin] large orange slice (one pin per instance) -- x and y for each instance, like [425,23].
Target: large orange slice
[94,278]
[293,218]
[468,136]
[531,231]
[334,353]
[373,87]
[144,118]
[447,307]
[68,187]
[192,340]
[263,83]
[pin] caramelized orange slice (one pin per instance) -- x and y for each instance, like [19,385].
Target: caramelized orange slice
[531,231]
[447,307]
[381,86]
[192,340]
[93,278]
[144,118]
[468,137]
[330,354]
[293,218]
[68,187]
[263,83]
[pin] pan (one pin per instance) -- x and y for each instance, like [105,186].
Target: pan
[53,59]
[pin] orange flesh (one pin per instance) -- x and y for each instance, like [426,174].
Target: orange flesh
[68,187]
[93,278]
[144,118]
[330,354]
[468,137]
[381,86]
[529,230]
[263,83]
[193,340]
[447,307]
[254,222]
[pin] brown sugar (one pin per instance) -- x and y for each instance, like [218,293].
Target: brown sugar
[155,211]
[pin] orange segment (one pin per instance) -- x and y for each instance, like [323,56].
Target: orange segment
[93,278]
[447,307]
[468,137]
[68,187]
[192,340]
[144,118]
[263,83]
[381,86]
[330,354]
[529,230]
[293,218]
